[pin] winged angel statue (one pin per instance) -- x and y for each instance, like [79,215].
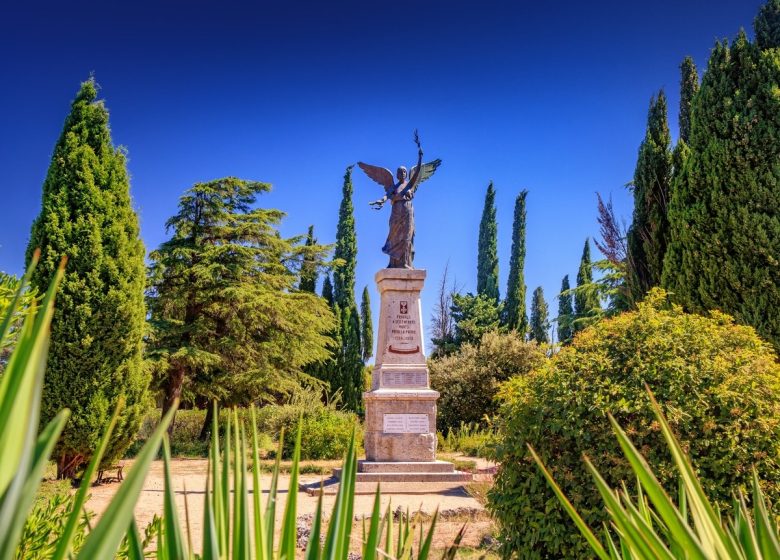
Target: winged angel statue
[400,240]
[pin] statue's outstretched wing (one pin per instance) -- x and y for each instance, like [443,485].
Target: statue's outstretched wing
[381,175]
[427,171]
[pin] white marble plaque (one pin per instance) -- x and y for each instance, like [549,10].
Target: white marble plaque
[406,424]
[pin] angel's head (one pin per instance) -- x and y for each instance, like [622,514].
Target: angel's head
[401,173]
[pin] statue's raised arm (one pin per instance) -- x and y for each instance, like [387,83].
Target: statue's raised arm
[400,241]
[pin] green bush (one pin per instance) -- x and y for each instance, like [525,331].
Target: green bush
[469,379]
[470,439]
[327,430]
[719,384]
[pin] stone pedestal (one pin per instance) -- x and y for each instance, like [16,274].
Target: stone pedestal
[401,406]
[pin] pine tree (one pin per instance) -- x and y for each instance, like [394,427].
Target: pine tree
[515,317]
[474,316]
[586,301]
[346,247]
[95,355]
[227,323]
[565,312]
[327,290]
[689,86]
[648,236]
[724,224]
[487,254]
[367,326]
[540,321]
[308,282]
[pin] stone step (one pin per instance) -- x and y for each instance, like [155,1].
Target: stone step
[405,467]
[454,476]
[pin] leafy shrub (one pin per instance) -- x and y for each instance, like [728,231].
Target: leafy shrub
[719,384]
[653,526]
[470,439]
[45,525]
[468,380]
[327,430]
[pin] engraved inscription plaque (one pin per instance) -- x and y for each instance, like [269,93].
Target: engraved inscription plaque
[404,379]
[406,424]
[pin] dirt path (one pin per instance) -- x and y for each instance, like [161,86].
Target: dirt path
[190,474]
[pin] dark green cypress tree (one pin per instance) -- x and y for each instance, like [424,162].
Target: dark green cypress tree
[327,290]
[367,326]
[308,282]
[689,86]
[487,251]
[515,317]
[723,213]
[585,297]
[346,247]
[648,236]
[565,312]
[540,318]
[349,361]
[95,355]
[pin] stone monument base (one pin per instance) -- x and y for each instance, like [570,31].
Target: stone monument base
[412,471]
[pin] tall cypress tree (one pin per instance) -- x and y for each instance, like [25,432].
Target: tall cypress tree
[540,320]
[366,326]
[327,290]
[349,360]
[515,317]
[308,282]
[648,236]
[585,297]
[487,251]
[95,354]
[346,247]
[689,86]
[723,213]
[565,312]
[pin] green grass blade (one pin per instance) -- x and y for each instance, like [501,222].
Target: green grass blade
[174,540]
[135,546]
[18,499]
[707,521]
[241,549]
[270,509]
[641,545]
[593,541]
[425,547]
[681,532]
[21,386]
[13,308]
[64,541]
[289,529]
[210,539]
[224,533]
[104,539]
[452,550]
[313,551]
[766,532]
[374,532]
[257,492]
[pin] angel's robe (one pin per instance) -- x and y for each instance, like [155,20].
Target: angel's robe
[400,240]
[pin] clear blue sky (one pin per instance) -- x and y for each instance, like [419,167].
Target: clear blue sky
[548,96]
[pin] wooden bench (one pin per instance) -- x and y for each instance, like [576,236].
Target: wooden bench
[103,479]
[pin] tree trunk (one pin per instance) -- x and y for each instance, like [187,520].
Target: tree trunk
[68,465]
[172,393]
[206,429]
